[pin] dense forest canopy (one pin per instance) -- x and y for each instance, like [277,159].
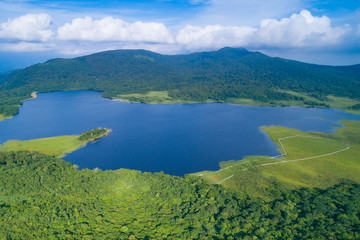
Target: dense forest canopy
[220,75]
[44,197]
[93,134]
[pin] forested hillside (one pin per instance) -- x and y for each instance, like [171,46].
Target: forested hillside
[220,76]
[42,197]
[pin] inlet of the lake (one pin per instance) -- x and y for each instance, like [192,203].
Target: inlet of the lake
[173,138]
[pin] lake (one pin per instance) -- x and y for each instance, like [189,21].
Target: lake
[174,138]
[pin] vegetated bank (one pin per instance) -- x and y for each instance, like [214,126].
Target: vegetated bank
[313,160]
[232,75]
[57,146]
[2,117]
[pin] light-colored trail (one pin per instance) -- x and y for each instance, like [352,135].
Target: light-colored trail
[226,179]
[284,155]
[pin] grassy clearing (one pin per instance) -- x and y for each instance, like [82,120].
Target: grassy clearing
[332,101]
[251,102]
[352,111]
[153,97]
[2,117]
[58,146]
[323,146]
[162,97]
[341,102]
[246,101]
[320,172]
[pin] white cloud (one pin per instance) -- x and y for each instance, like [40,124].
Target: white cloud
[30,27]
[298,31]
[214,36]
[111,29]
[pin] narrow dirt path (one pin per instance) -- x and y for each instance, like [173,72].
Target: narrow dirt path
[284,155]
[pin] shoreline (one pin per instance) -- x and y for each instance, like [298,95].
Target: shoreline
[54,144]
[162,97]
[244,102]
[231,103]
[33,96]
[108,131]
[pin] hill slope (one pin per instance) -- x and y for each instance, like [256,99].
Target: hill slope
[225,75]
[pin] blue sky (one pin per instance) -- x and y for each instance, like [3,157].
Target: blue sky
[323,32]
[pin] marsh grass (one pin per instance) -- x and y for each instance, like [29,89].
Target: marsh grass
[58,146]
[153,97]
[321,172]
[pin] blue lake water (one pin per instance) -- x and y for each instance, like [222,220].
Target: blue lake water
[174,138]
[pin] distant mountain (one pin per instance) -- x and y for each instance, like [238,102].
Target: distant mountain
[220,75]
[4,76]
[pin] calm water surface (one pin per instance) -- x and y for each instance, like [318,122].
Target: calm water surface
[174,138]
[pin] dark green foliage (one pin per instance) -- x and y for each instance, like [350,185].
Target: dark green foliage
[42,197]
[93,134]
[227,73]
[11,100]
[355,107]
[4,76]
[316,104]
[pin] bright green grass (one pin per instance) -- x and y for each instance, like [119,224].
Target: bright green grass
[320,172]
[352,111]
[251,102]
[244,101]
[310,146]
[333,101]
[157,97]
[58,146]
[341,102]
[2,117]
[153,97]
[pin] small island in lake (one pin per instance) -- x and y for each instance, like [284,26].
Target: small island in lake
[94,134]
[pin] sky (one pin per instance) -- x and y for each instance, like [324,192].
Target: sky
[314,31]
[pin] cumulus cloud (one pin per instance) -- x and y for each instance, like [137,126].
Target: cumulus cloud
[111,29]
[214,36]
[300,30]
[30,27]
[33,32]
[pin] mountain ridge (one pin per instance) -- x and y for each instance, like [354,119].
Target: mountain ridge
[223,75]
